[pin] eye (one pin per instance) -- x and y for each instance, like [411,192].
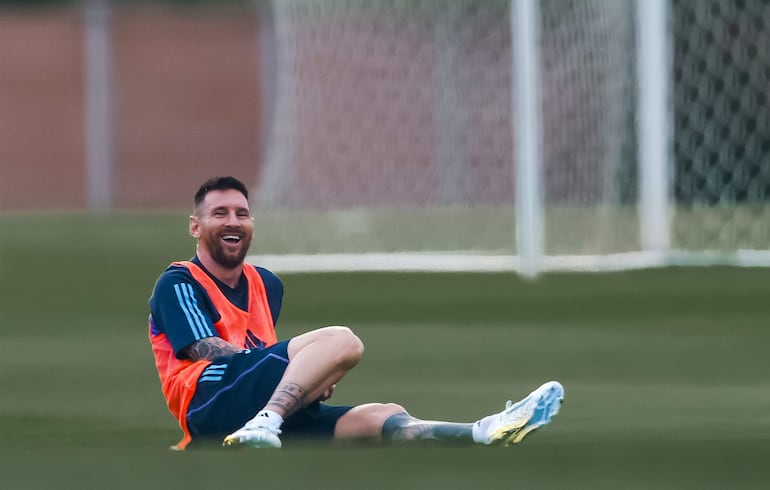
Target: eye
[219,213]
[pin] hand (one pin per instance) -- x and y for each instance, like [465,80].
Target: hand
[328,393]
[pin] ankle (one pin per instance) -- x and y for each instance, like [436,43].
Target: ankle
[268,418]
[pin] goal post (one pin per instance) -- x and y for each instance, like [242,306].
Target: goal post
[383,112]
[654,124]
[98,124]
[409,132]
[515,135]
[528,136]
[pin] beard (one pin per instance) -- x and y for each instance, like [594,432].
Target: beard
[228,260]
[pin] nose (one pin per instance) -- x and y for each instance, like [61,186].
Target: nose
[232,219]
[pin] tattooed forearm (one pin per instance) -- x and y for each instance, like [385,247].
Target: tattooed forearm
[288,398]
[210,348]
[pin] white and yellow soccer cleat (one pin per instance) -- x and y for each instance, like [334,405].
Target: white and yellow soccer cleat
[523,417]
[253,435]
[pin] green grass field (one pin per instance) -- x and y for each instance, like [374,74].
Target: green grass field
[666,371]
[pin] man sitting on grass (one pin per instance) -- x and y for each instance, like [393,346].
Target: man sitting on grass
[227,378]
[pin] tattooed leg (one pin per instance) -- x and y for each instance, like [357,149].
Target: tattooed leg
[402,427]
[317,360]
[287,399]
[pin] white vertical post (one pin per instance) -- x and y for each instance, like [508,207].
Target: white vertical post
[266,78]
[277,168]
[525,34]
[98,104]
[653,123]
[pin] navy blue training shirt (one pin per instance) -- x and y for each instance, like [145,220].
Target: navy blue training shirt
[182,309]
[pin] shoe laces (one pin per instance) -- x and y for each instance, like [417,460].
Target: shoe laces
[512,409]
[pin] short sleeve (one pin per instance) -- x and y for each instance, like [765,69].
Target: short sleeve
[181,309]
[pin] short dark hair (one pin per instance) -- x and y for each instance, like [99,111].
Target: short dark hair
[219,184]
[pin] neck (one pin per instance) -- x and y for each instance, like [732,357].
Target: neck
[231,277]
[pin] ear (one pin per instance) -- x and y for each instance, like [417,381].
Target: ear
[195,227]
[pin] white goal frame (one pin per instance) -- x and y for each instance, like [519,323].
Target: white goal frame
[654,137]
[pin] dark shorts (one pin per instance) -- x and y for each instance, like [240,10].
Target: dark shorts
[232,390]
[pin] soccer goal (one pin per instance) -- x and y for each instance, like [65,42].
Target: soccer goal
[516,135]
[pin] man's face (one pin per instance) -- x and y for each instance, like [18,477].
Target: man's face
[223,226]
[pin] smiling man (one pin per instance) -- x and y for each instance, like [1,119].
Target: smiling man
[227,379]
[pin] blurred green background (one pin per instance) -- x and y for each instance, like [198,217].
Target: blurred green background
[665,370]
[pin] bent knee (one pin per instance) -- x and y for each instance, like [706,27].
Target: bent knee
[350,347]
[340,344]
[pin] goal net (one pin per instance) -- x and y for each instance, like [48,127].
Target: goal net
[392,143]
[722,130]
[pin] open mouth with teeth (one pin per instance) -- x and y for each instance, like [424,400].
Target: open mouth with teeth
[231,239]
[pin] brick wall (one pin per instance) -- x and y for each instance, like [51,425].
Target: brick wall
[185,105]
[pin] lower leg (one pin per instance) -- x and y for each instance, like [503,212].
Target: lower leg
[402,427]
[507,427]
[317,360]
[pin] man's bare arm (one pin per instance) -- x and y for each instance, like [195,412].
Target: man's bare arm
[210,348]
